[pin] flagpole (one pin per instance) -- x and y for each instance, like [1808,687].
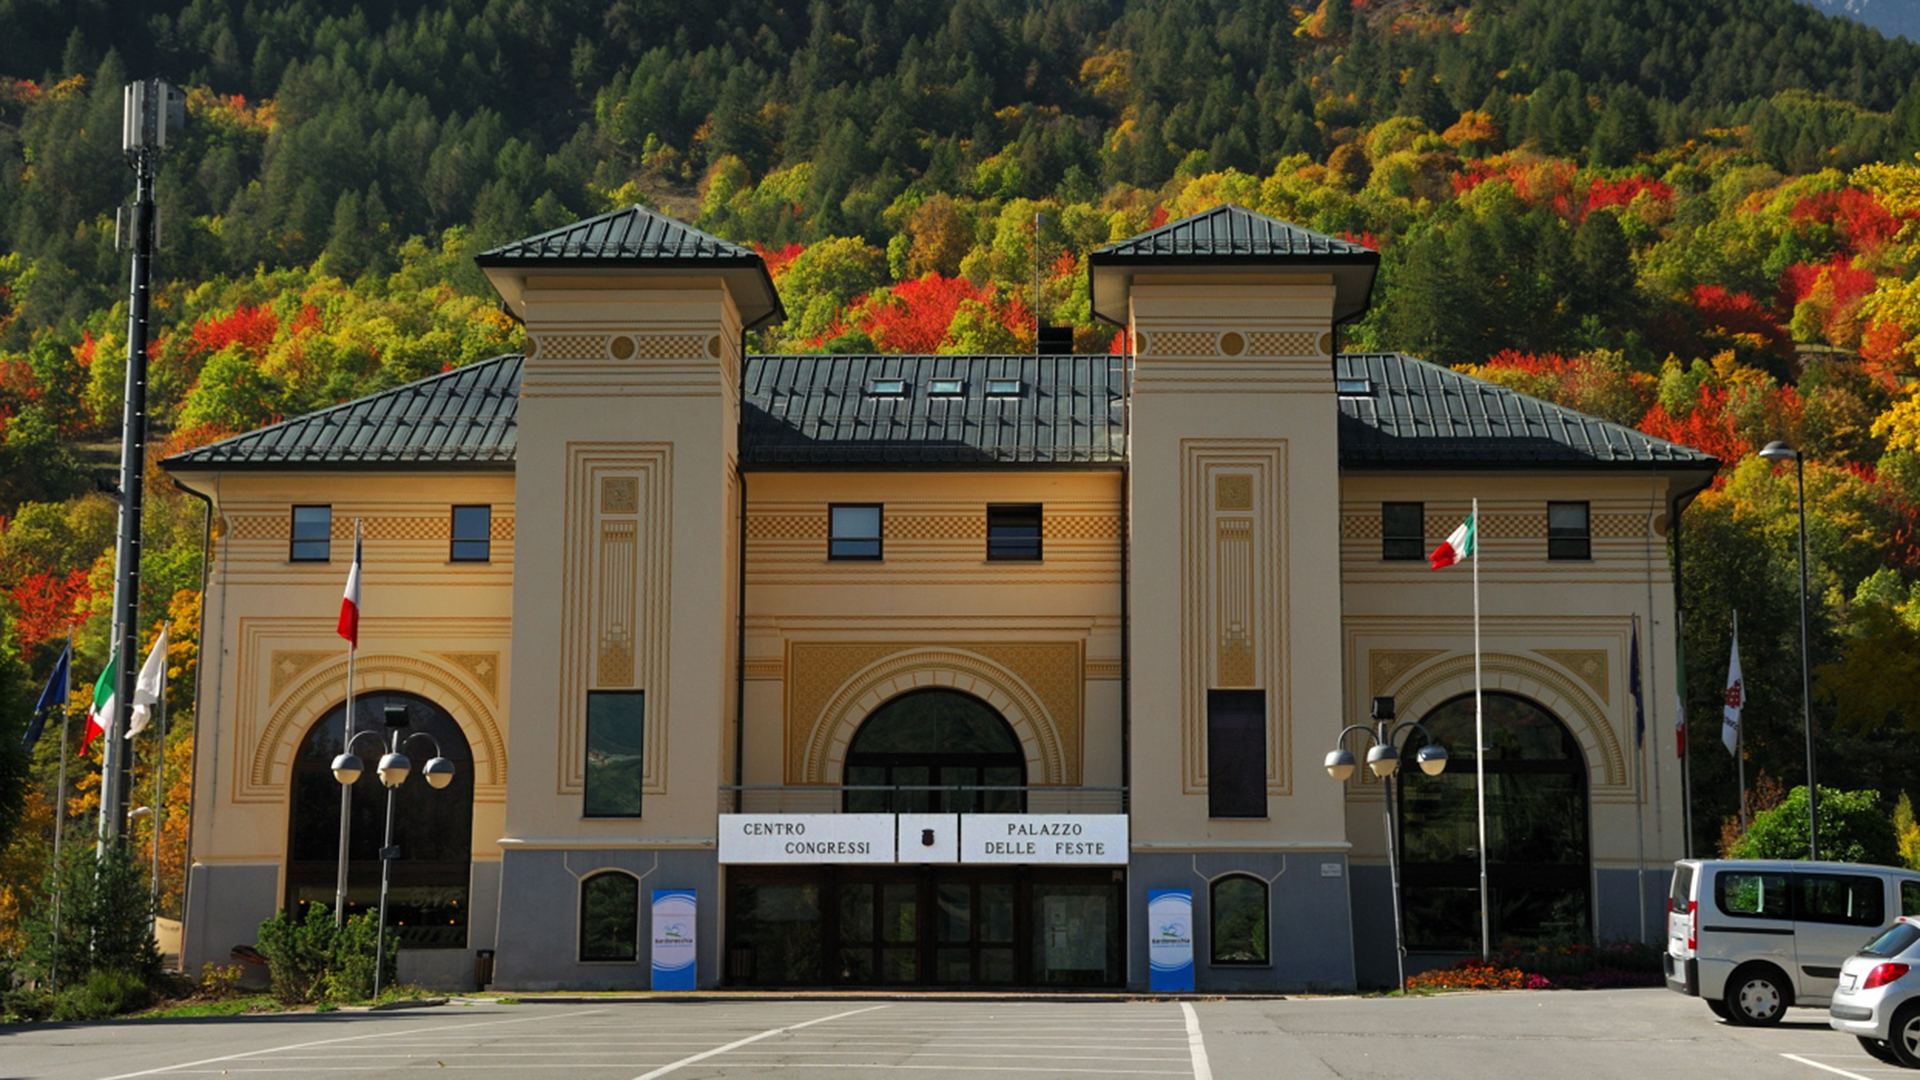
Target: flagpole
[159,787]
[1685,744]
[1740,736]
[1639,791]
[1480,741]
[346,743]
[60,818]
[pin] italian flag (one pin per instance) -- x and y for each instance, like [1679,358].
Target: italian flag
[349,626]
[100,713]
[1459,544]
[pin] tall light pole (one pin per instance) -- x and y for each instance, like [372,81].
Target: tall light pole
[1382,761]
[1777,451]
[150,110]
[393,769]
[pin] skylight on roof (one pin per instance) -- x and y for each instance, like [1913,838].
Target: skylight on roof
[1353,387]
[1005,387]
[887,388]
[946,387]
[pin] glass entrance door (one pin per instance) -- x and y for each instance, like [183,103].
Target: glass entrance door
[937,926]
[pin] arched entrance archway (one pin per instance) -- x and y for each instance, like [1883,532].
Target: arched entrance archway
[1538,849]
[932,751]
[433,828]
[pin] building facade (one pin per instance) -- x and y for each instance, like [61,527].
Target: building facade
[937,671]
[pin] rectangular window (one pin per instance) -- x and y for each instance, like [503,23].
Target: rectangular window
[1751,894]
[1237,753]
[1004,387]
[1403,531]
[1013,531]
[616,735]
[472,533]
[1839,898]
[1567,533]
[853,532]
[887,388]
[312,534]
[946,387]
[1910,898]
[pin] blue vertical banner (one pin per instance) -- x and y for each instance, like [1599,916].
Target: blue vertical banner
[1170,940]
[674,940]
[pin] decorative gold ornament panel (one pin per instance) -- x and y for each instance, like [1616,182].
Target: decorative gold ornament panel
[616,584]
[1233,592]
[1039,687]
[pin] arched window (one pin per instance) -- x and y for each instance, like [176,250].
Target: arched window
[1537,830]
[1237,920]
[433,827]
[610,916]
[926,740]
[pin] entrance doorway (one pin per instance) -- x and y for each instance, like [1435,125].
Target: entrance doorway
[936,926]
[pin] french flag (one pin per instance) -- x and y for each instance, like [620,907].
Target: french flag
[350,603]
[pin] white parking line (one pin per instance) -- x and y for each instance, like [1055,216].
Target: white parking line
[399,1032]
[767,1034]
[1201,1070]
[1829,1068]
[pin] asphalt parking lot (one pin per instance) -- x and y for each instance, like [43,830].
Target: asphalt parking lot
[1623,1034]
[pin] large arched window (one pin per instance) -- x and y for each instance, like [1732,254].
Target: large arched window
[1537,830]
[1237,920]
[433,827]
[927,740]
[610,916]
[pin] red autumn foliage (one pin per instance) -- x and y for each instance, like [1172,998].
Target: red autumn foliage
[1883,350]
[913,316]
[1602,193]
[1159,217]
[84,351]
[1469,179]
[1119,345]
[1856,216]
[778,261]
[1739,313]
[1364,238]
[1714,425]
[252,328]
[49,603]
[308,319]
[1065,265]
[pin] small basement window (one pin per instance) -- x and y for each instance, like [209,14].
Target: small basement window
[1353,387]
[887,388]
[946,387]
[1005,387]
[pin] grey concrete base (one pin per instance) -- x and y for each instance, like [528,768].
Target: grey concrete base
[539,937]
[1311,943]
[436,969]
[225,906]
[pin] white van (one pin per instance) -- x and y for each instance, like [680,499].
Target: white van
[1752,937]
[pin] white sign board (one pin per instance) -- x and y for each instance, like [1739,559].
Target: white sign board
[929,838]
[1051,839]
[806,838]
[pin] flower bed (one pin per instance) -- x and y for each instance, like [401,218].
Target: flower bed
[1549,967]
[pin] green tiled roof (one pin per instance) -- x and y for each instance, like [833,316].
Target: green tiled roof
[1231,232]
[638,238]
[1404,413]
[462,418]
[1236,240]
[1396,412]
[810,411]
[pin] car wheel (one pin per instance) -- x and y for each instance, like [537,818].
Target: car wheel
[1717,1008]
[1877,1049]
[1903,1036]
[1758,996]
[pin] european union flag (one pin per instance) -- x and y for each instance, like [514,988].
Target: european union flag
[51,698]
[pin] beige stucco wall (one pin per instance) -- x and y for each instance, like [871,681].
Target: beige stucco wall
[1235,565]
[627,419]
[829,641]
[272,662]
[1556,632]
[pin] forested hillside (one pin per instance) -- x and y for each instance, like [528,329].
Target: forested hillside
[1692,216]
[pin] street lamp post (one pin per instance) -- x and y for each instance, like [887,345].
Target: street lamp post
[393,769]
[1777,451]
[1383,760]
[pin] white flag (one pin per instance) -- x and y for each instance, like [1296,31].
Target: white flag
[146,690]
[1736,699]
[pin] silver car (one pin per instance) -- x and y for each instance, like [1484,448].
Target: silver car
[1878,999]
